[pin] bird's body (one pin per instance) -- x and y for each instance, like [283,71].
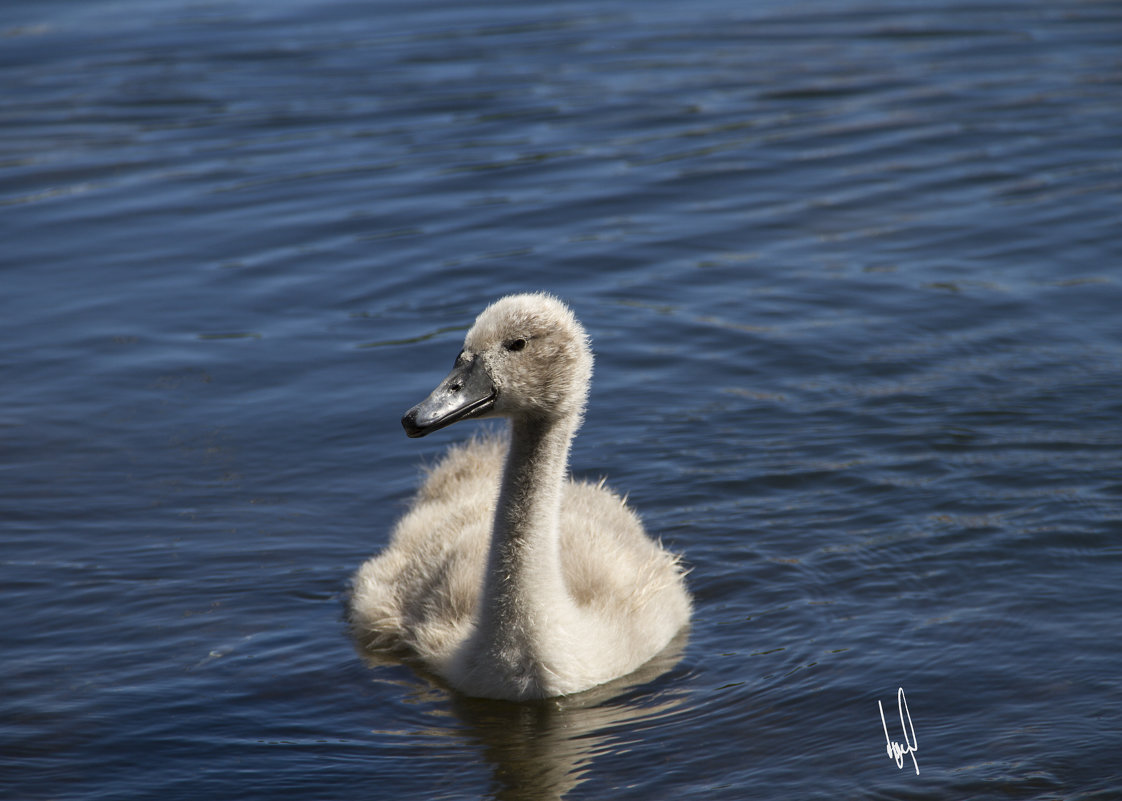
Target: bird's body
[505,577]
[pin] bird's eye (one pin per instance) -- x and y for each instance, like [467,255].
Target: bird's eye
[515,344]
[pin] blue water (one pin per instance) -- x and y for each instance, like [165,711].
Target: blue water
[853,274]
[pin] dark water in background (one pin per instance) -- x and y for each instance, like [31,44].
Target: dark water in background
[853,273]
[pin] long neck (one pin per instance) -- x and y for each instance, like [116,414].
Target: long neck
[524,590]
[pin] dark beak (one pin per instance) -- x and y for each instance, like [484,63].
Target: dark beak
[466,392]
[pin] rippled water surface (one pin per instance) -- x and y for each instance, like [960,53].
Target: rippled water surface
[853,274]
